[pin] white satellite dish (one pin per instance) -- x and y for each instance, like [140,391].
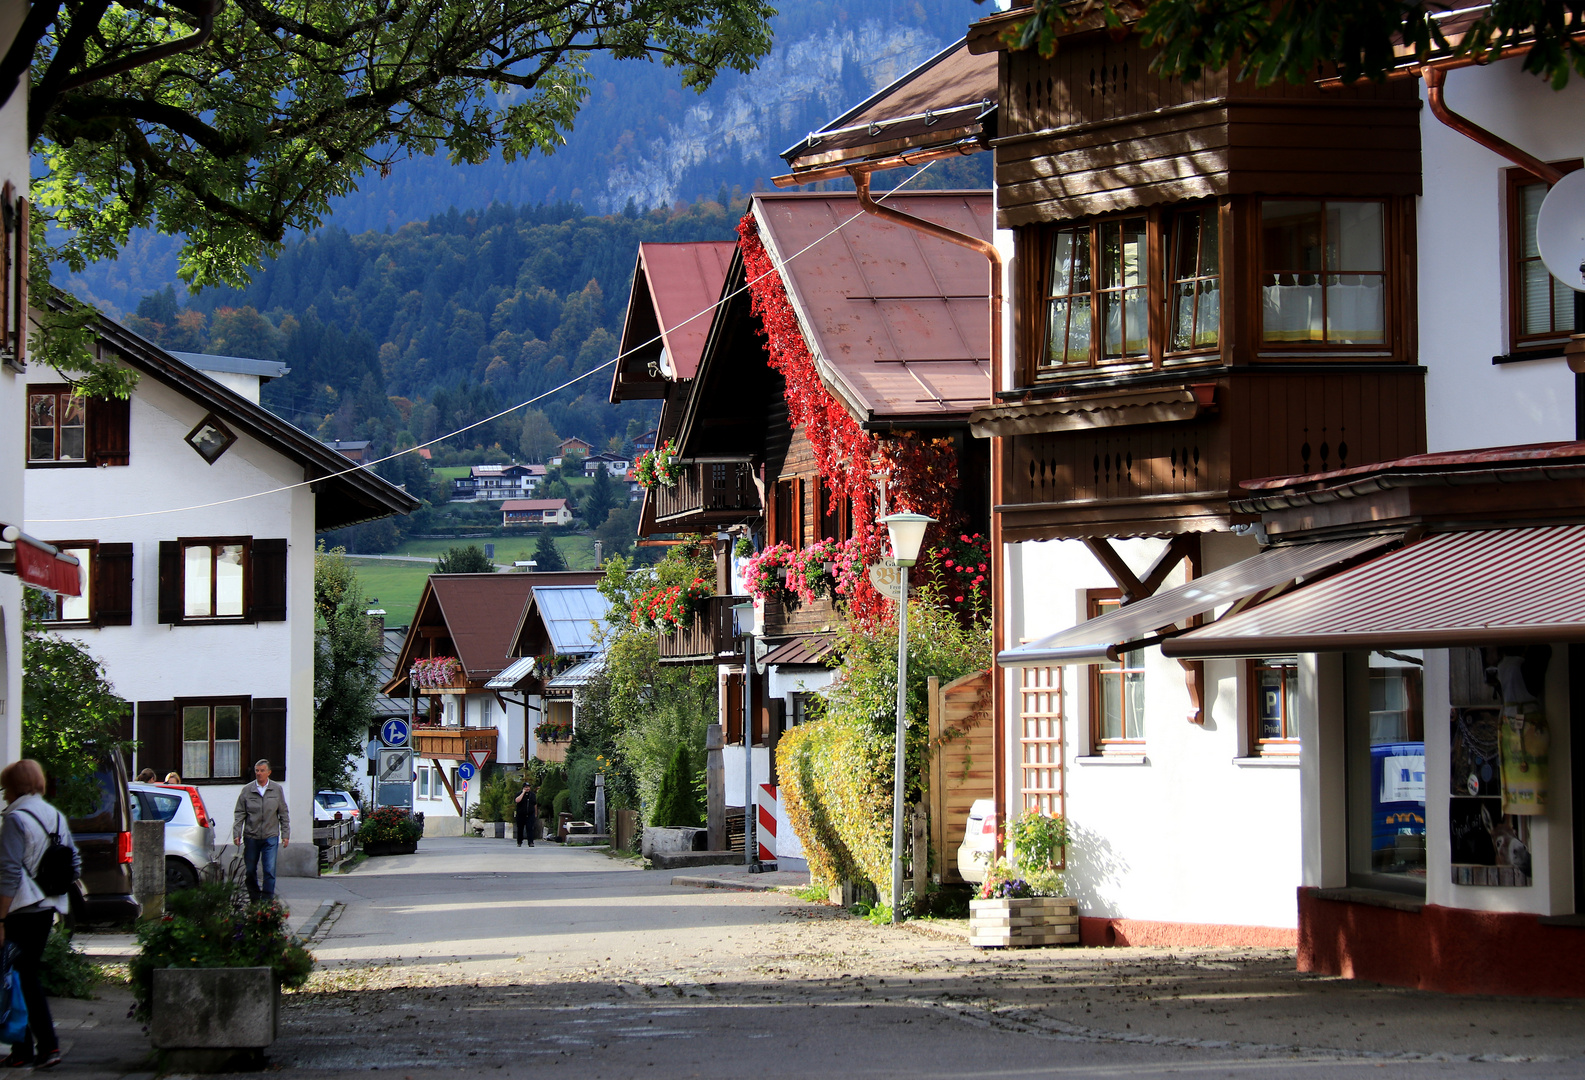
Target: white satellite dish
[1560,231]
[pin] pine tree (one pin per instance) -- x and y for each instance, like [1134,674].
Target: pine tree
[546,557]
[675,805]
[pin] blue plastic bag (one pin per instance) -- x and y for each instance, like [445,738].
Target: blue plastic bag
[13,1009]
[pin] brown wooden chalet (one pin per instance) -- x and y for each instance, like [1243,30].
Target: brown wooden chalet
[1212,281]
[474,618]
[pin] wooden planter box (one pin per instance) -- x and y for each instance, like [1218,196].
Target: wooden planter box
[1036,920]
[390,847]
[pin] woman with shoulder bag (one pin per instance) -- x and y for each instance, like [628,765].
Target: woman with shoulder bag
[36,856]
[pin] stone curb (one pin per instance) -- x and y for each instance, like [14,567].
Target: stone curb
[694,881]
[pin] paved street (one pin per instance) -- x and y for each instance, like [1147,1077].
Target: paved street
[477,954]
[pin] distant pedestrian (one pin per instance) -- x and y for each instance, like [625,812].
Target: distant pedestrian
[260,827]
[147,776]
[26,914]
[173,778]
[525,816]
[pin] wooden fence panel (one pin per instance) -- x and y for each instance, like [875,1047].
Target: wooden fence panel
[962,745]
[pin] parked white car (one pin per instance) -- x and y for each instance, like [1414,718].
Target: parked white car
[979,841]
[328,803]
[189,832]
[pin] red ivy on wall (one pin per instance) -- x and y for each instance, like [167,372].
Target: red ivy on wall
[921,472]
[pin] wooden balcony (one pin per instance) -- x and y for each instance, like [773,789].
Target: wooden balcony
[804,618]
[712,639]
[444,743]
[708,494]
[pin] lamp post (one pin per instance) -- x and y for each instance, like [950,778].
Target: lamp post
[907,533]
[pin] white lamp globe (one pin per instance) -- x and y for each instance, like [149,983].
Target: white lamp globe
[907,532]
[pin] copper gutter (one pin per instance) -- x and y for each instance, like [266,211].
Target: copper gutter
[906,159]
[861,184]
[1435,76]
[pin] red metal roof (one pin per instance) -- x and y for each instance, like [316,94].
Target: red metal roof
[685,281]
[1481,459]
[898,321]
[1494,587]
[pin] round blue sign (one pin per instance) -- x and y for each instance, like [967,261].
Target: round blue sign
[394,732]
[465,770]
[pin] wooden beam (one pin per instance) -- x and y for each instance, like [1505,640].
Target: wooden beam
[1132,587]
[447,783]
[1183,546]
[1194,679]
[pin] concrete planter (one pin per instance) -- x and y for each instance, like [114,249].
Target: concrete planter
[213,1019]
[390,847]
[1036,920]
[672,840]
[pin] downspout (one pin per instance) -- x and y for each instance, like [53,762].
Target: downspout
[1435,77]
[861,183]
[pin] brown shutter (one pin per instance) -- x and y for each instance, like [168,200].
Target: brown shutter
[268,559]
[734,710]
[268,739]
[159,737]
[112,584]
[170,581]
[109,431]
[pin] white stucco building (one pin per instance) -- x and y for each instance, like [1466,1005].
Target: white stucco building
[192,511]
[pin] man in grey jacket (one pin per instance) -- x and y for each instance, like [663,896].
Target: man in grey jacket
[261,826]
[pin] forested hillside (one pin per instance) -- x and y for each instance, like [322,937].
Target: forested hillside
[399,337]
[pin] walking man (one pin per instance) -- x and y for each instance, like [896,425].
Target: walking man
[261,826]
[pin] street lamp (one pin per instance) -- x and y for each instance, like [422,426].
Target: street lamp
[907,533]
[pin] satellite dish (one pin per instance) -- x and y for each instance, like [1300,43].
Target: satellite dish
[1560,231]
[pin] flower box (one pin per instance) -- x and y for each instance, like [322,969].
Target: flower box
[390,847]
[1024,921]
[214,1019]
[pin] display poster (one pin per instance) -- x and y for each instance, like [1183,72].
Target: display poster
[1498,742]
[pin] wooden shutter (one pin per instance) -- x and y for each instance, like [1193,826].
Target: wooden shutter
[109,431]
[112,584]
[268,739]
[268,559]
[798,502]
[170,581]
[733,725]
[159,737]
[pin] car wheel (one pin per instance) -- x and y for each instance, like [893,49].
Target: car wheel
[179,875]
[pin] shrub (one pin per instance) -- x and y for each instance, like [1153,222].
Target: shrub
[66,972]
[676,805]
[211,927]
[553,781]
[562,801]
[495,799]
[1038,839]
[390,824]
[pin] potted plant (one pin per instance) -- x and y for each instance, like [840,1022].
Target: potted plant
[390,830]
[667,609]
[548,731]
[495,804]
[436,672]
[765,575]
[208,975]
[658,467]
[1021,903]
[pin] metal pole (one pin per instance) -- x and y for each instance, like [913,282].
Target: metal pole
[897,771]
[748,751]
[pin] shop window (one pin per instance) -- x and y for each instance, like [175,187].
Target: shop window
[222,579]
[1273,699]
[1541,309]
[67,429]
[1323,272]
[1194,299]
[1385,753]
[1117,691]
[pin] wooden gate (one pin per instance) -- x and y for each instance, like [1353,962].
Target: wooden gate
[962,750]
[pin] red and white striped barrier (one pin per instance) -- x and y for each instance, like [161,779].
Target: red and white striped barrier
[765,831]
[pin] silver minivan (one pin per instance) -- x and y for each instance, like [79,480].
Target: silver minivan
[189,844]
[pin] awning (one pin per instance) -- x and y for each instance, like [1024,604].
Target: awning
[1096,640]
[512,675]
[809,650]
[574,678]
[1494,587]
[40,564]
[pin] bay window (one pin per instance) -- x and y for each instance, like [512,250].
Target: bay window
[1323,272]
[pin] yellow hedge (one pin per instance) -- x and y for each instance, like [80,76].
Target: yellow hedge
[836,782]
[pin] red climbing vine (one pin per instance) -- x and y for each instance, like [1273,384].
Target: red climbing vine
[921,472]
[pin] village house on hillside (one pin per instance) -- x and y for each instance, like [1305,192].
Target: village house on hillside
[460,639]
[188,512]
[570,446]
[536,512]
[494,483]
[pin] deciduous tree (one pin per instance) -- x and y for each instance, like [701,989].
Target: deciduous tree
[347,648]
[465,560]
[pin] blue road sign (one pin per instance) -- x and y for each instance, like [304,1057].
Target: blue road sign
[394,732]
[466,770]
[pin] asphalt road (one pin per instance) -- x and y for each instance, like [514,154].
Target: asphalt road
[477,957]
